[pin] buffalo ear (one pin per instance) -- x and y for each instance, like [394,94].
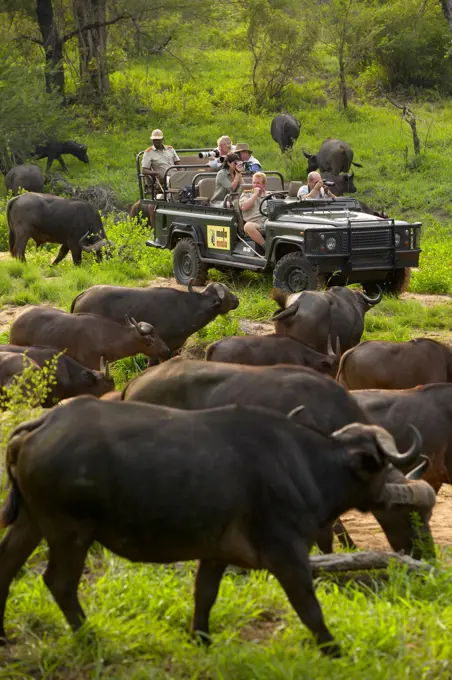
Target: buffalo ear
[366,463]
[306,155]
[290,311]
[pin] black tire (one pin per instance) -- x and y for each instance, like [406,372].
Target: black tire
[187,264]
[293,274]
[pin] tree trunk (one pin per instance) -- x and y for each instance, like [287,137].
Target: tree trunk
[94,81]
[342,84]
[53,47]
[447,11]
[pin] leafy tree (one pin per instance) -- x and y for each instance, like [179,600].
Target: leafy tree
[280,42]
[28,114]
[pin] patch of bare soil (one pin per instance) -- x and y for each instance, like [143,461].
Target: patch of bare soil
[368,535]
[7,314]
[427,300]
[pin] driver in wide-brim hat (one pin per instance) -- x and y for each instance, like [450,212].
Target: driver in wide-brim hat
[158,157]
[251,164]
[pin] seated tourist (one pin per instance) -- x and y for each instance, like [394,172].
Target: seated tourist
[250,163]
[250,202]
[315,188]
[228,179]
[224,146]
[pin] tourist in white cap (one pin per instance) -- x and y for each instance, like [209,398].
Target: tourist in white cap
[158,157]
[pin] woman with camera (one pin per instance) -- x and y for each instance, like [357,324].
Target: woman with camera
[228,179]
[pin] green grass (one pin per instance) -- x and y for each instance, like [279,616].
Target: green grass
[139,618]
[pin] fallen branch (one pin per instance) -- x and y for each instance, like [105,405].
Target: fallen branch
[363,561]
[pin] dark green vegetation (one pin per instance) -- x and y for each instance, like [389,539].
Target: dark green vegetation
[198,87]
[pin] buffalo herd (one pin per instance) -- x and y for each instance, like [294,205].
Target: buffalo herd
[248,457]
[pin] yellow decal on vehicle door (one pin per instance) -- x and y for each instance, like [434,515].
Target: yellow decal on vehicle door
[218,237]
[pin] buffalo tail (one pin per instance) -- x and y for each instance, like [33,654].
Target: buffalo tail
[11,236]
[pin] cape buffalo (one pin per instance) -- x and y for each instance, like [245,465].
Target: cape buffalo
[53,150]
[429,408]
[51,219]
[175,314]
[334,156]
[266,350]
[342,183]
[246,487]
[395,365]
[285,130]
[71,378]
[13,365]
[312,316]
[85,337]
[28,177]
[188,384]
[143,213]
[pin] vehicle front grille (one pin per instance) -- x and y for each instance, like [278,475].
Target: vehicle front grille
[371,260]
[366,239]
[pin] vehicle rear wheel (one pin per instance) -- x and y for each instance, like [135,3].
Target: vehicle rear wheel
[293,274]
[187,264]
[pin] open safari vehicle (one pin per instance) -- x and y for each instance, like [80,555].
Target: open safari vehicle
[308,243]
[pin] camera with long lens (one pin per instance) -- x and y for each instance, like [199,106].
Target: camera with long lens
[209,154]
[328,183]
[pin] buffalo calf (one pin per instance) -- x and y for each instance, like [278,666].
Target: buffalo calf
[54,150]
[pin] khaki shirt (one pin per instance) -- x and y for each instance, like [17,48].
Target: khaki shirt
[159,160]
[252,214]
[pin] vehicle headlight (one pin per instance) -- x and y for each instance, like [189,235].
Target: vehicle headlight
[331,243]
[397,240]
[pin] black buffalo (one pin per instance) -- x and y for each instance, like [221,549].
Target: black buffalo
[429,408]
[285,130]
[267,350]
[51,219]
[343,184]
[71,378]
[379,364]
[246,487]
[334,156]
[28,177]
[175,314]
[326,405]
[53,150]
[313,316]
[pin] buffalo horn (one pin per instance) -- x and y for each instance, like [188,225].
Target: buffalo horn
[306,155]
[419,494]
[387,445]
[102,365]
[373,301]
[144,327]
[190,286]
[101,244]
[419,470]
[295,411]
[128,321]
[338,348]
[84,246]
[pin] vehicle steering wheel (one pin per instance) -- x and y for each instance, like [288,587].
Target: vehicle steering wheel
[274,194]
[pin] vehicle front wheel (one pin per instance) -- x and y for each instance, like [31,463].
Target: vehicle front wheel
[187,264]
[293,274]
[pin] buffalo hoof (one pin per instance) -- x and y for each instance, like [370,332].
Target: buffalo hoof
[331,649]
[202,637]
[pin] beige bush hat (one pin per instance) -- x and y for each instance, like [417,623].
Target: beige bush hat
[157,134]
[242,147]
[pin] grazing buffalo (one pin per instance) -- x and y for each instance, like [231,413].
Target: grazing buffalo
[52,219]
[285,130]
[267,350]
[175,314]
[429,407]
[192,385]
[86,337]
[312,316]
[343,184]
[334,156]
[247,487]
[378,364]
[53,150]
[28,177]
[71,377]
